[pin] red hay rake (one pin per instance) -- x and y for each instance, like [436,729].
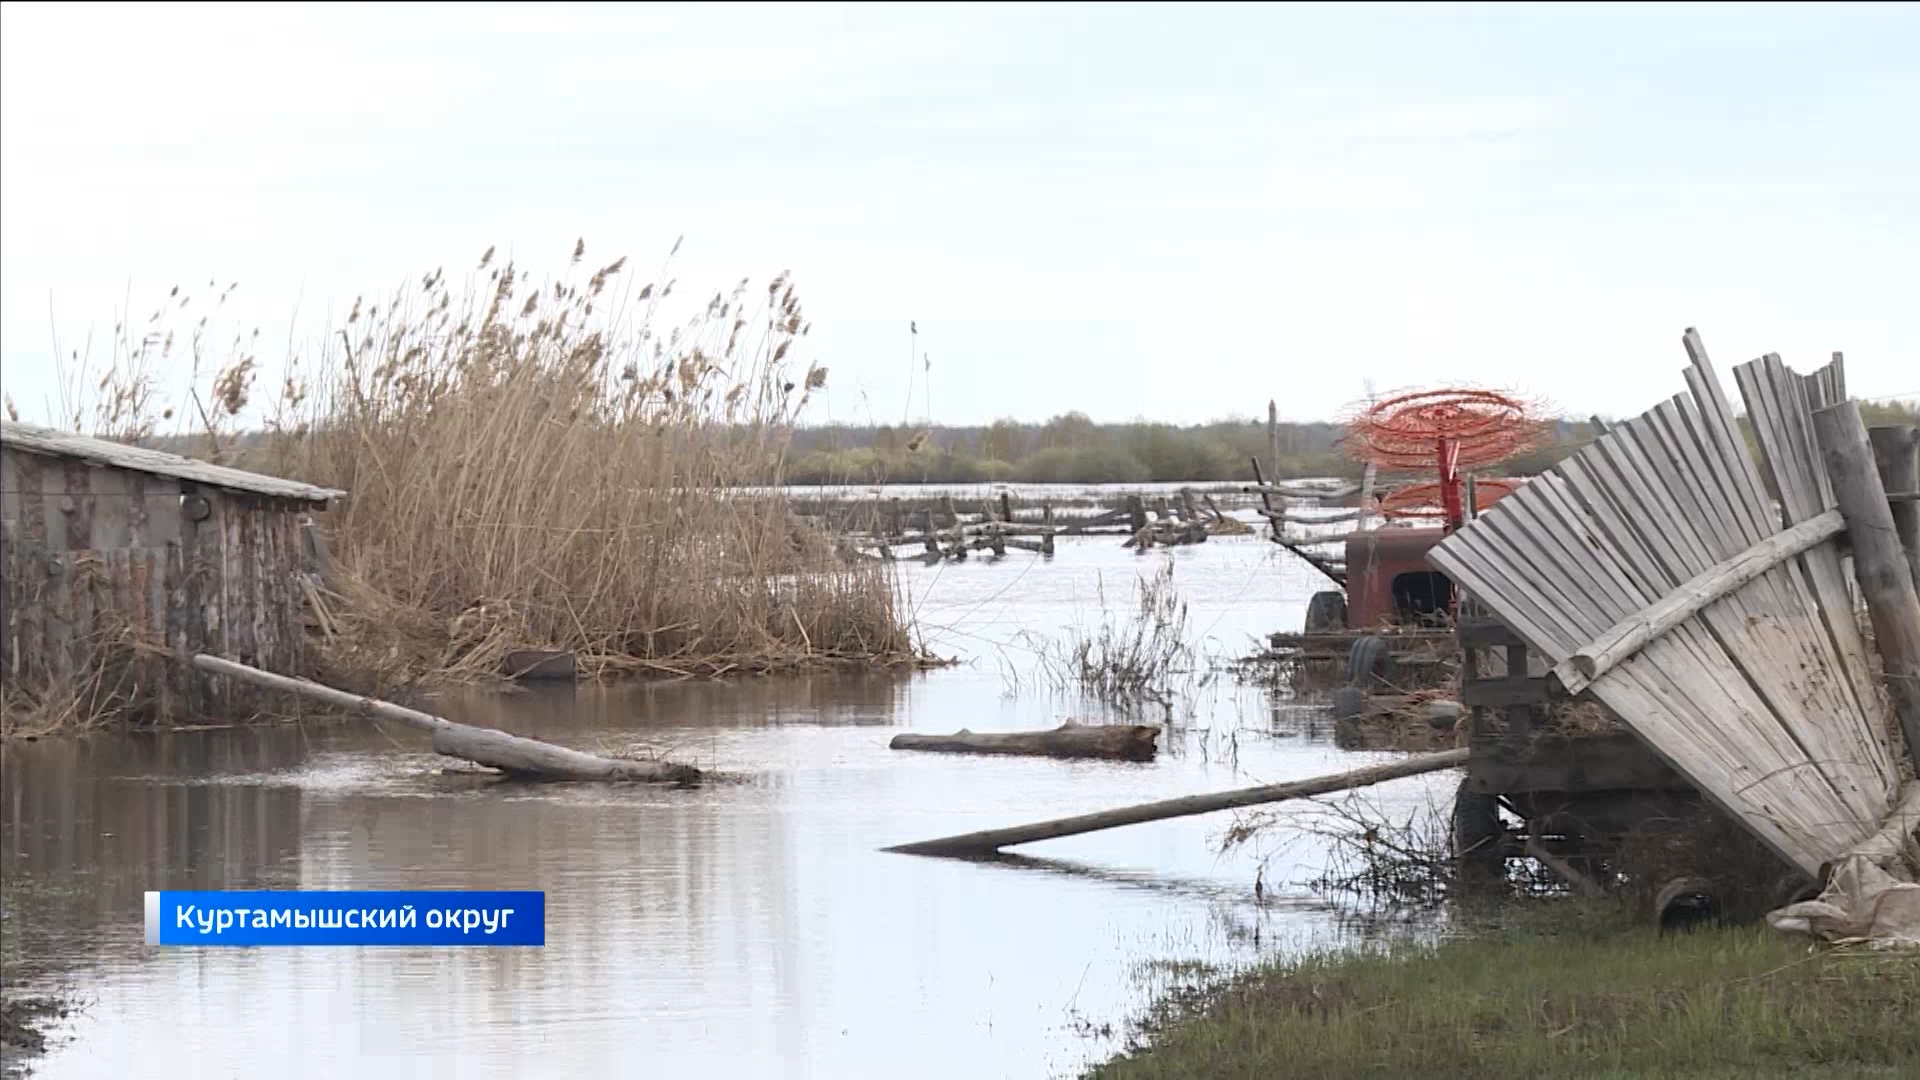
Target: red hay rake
[1429,500]
[1449,430]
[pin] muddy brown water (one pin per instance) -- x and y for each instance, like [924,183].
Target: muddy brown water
[747,928]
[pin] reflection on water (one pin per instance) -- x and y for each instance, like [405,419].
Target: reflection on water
[746,928]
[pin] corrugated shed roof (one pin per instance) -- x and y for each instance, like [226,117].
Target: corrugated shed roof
[41,440]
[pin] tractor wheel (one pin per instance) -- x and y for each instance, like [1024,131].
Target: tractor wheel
[1327,612]
[1369,662]
[1478,837]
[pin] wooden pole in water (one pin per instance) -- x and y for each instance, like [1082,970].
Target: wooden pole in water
[992,840]
[528,758]
[1189,512]
[1273,436]
[1879,562]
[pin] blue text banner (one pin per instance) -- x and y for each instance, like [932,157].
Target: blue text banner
[294,917]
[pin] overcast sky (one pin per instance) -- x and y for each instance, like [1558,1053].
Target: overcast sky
[1153,210]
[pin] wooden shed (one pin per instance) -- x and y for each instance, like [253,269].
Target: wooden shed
[113,553]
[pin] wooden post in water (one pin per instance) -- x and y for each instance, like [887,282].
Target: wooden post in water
[1266,499]
[1896,455]
[1191,513]
[931,536]
[1880,563]
[1273,436]
[992,840]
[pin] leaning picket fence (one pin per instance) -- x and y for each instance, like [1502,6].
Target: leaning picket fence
[1654,568]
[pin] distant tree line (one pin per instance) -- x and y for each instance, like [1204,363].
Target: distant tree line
[1074,449]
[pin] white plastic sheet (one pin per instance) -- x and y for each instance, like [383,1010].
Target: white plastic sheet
[1862,903]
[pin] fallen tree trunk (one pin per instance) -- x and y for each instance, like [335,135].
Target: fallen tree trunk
[986,843]
[1131,742]
[511,754]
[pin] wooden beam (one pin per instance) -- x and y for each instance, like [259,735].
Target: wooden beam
[1300,491]
[992,840]
[1879,563]
[1581,883]
[1515,690]
[511,754]
[1896,455]
[1631,634]
[1325,566]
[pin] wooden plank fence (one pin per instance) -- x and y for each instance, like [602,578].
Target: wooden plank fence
[1655,567]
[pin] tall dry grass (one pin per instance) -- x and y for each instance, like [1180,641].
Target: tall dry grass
[542,465]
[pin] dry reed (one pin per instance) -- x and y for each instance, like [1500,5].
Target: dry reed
[541,466]
[113,679]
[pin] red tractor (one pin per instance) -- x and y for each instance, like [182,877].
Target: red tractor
[1388,583]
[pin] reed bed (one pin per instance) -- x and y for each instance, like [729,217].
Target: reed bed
[545,465]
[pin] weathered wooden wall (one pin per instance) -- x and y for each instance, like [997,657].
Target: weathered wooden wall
[94,553]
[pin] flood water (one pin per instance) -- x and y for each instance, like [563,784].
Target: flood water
[747,928]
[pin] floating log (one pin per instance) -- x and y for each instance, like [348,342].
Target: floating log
[978,844]
[1130,742]
[525,758]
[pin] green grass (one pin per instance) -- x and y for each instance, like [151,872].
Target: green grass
[1590,997]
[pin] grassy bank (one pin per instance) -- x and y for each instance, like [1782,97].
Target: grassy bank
[1578,990]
